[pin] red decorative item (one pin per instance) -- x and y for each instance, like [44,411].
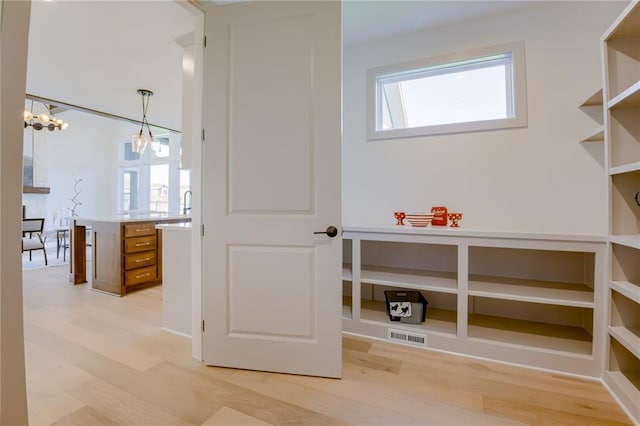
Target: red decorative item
[419,220]
[455,218]
[439,215]
[400,218]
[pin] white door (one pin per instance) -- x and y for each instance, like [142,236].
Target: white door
[272,289]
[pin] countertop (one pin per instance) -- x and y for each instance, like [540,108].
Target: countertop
[132,217]
[180,226]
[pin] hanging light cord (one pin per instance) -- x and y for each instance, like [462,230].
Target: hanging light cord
[145,105]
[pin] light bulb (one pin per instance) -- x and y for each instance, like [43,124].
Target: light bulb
[64,126]
[28,115]
[43,118]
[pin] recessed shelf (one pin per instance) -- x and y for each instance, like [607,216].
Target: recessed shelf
[517,332]
[628,98]
[444,282]
[628,289]
[438,320]
[625,168]
[534,291]
[627,337]
[597,135]
[627,385]
[347,308]
[593,100]
[626,240]
[347,273]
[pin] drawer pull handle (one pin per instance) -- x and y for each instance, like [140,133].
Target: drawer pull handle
[143,260]
[143,275]
[142,229]
[143,244]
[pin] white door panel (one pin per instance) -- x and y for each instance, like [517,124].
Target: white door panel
[271,178]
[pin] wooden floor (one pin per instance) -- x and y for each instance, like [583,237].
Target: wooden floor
[95,359]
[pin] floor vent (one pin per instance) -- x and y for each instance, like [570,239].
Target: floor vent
[406,337]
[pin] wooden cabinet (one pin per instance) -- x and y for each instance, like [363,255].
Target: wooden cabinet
[126,255]
[621,57]
[529,299]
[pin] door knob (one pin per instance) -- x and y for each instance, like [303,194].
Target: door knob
[331,231]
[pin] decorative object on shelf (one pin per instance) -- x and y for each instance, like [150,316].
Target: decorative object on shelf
[43,121]
[74,199]
[419,220]
[140,141]
[455,219]
[439,215]
[400,216]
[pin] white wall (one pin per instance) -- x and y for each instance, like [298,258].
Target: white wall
[87,150]
[538,179]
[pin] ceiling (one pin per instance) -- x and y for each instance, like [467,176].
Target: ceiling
[96,54]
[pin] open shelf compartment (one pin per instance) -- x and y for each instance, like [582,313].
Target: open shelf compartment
[625,271]
[410,265]
[441,310]
[625,322]
[625,212]
[624,132]
[547,327]
[623,376]
[537,276]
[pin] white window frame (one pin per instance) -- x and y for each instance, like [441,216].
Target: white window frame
[378,75]
[143,165]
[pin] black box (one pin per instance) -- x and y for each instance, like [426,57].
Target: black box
[407,306]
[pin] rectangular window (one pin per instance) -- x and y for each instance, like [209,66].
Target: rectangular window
[480,90]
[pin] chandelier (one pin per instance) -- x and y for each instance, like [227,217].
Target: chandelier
[140,141]
[43,121]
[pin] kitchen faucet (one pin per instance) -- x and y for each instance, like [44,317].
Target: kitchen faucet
[184,202]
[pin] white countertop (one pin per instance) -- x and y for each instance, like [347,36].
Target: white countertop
[132,217]
[180,226]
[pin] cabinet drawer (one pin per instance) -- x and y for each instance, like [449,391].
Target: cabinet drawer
[138,260]
[139,229]
[138,244]
[139,276]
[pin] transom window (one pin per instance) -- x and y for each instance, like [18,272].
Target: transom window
[479,90]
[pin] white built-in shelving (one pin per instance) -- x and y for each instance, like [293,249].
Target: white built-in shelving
[529,299]
[593,108]
[621,57]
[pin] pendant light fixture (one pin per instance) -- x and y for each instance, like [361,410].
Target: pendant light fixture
[140,141]
[43,121]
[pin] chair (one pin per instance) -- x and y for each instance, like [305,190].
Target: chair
[30,242]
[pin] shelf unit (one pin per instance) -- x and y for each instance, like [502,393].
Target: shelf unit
[621,58]
[593,107]
[529,299]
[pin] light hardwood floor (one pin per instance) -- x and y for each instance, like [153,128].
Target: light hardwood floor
[96,359]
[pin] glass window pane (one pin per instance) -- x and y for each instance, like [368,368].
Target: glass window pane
[128,152]
[161,146]
[159,187]
[130,190]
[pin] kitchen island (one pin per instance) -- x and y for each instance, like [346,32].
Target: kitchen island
[127,251]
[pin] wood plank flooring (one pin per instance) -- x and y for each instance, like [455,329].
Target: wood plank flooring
[95,359]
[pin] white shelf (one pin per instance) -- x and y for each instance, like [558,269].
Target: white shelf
[629,337]
[594,100]
[632,241]
[347,312]
[626,387]
[553,293]
[347,274]
[597,135]
[628,98]
[444,282]
[628,289]
[438,320]
[626,168]
[515,332]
